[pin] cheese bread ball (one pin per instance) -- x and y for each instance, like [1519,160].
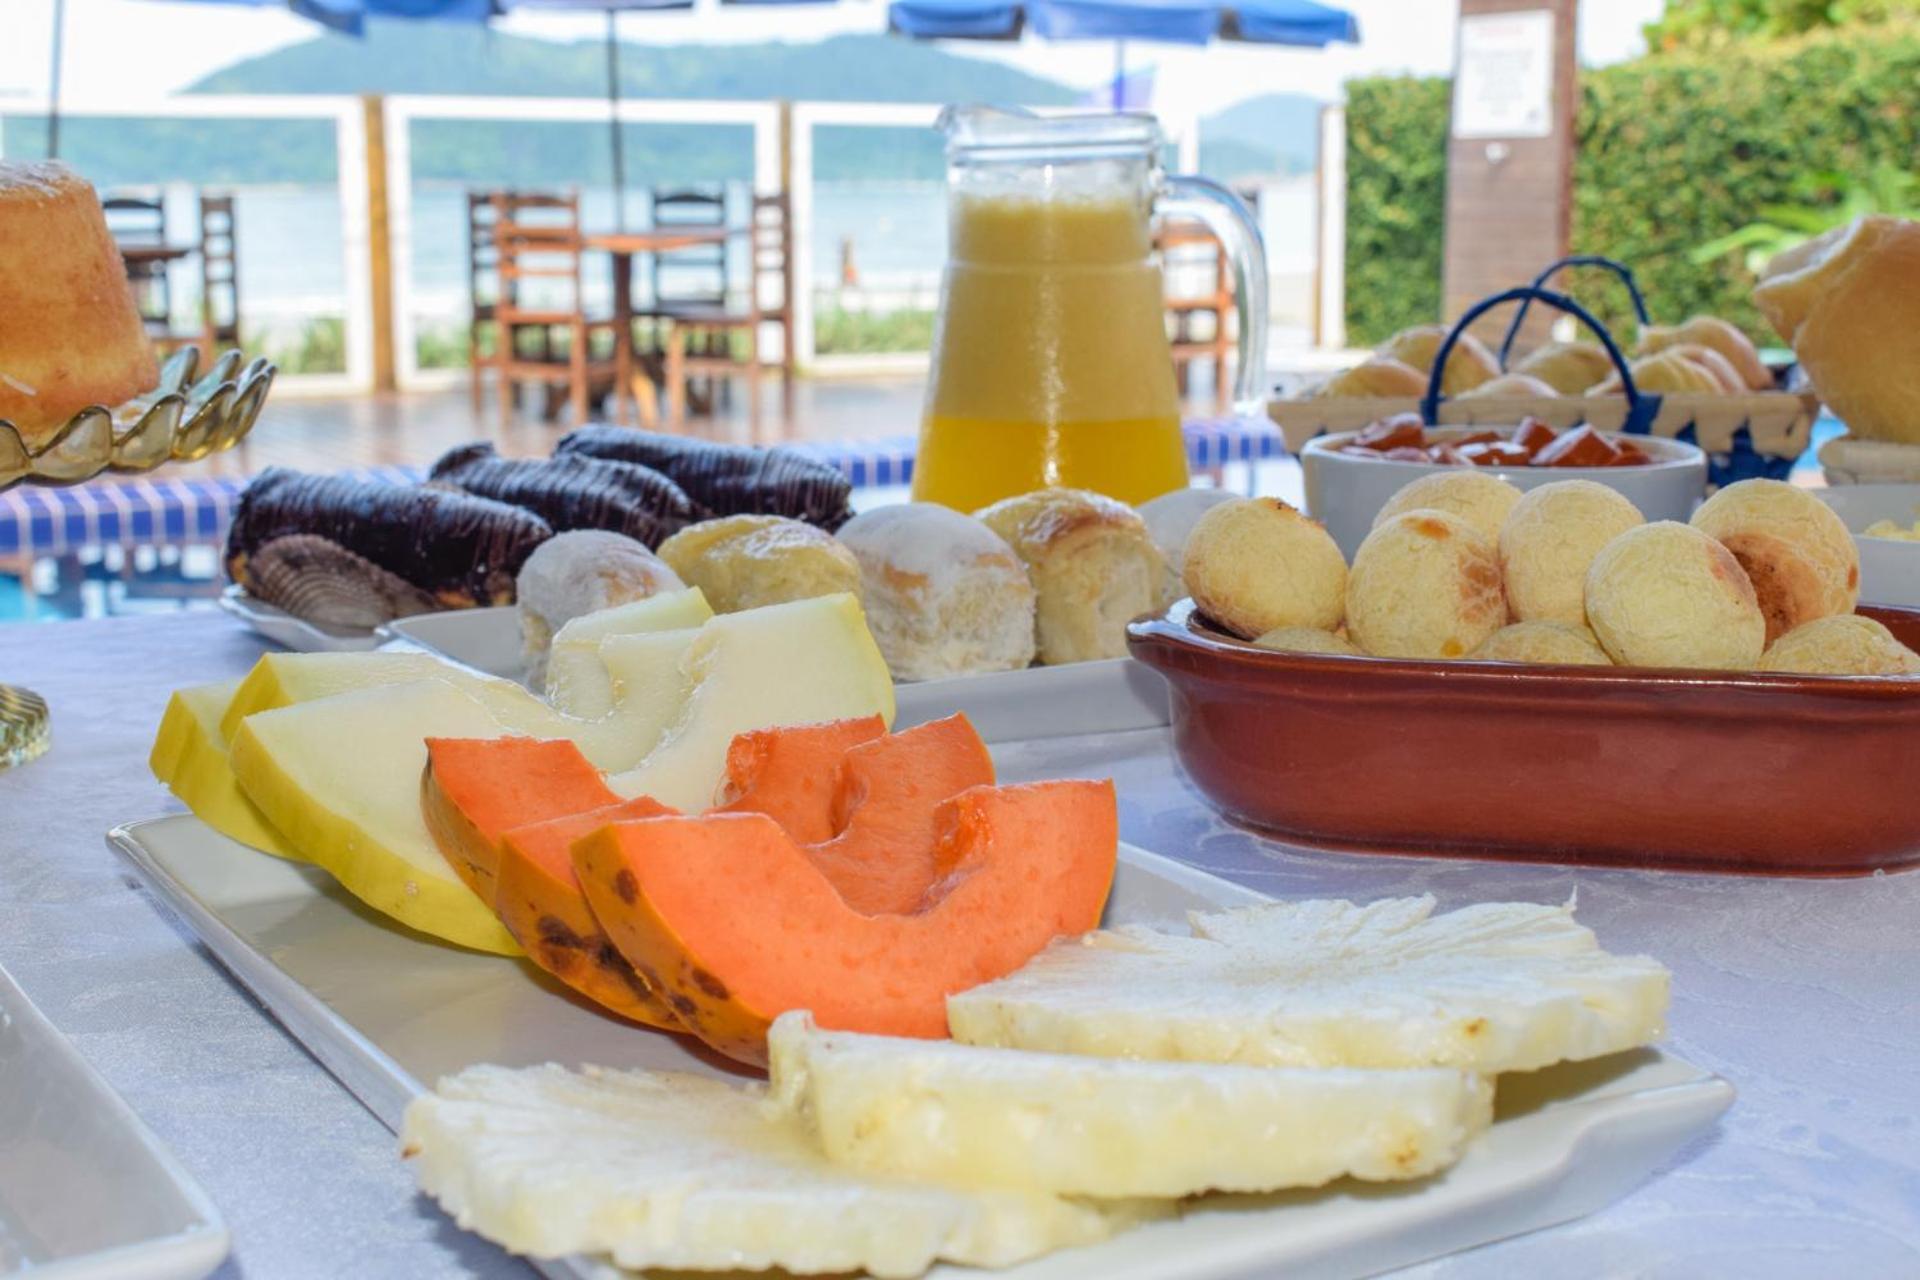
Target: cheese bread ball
[1256,564]
[1483,501]
[1667,595]
[1307,640]
[1803,562]
[1170,519]
[1549,541]
[1843,645]
[1543,642]
[1425,584]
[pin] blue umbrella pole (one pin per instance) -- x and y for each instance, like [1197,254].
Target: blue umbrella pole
[1119,75]
[53,82]
[613,104]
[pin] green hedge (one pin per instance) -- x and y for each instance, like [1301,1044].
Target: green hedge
[1674,151]
[1396,203]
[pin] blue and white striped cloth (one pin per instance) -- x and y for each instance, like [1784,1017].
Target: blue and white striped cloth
[157,511]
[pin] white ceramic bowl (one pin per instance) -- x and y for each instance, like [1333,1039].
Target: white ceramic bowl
[1889,567]
[1345,492]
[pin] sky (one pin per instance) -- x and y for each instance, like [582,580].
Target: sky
[151,47]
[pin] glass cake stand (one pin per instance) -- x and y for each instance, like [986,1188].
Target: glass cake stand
[184,418]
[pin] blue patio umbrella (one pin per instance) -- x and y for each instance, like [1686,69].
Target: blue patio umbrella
[1301,23]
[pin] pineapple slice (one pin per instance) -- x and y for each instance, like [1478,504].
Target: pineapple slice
[1054,1122]
[1489,988]
[662,1169]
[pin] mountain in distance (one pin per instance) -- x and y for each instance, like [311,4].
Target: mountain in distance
[1275,133]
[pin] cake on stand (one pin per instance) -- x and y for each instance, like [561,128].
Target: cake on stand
[183,418]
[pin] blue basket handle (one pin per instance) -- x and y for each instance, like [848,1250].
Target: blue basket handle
[1642,408]
[1577,260]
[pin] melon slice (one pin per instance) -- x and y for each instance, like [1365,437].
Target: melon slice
[474,790]
[656,1169]
[190,758]
[340,779]
[538,898]
[283,679]
[798,663]
[885,853]
[578,682]
[792,773]
[729,919]
[960,1115]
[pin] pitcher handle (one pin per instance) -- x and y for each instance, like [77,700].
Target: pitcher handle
[1226,215]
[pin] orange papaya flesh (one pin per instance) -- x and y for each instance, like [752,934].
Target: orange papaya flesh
[890,789]
[727,917]
[539,900]
[475,790]
[790,773]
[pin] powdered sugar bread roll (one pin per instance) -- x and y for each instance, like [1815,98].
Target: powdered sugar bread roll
[1667,595]
[745,562]
[1549,541]
[1425,584]
[1254,565]
[945,595]
[1093,567]
[573,574]
[1803,562]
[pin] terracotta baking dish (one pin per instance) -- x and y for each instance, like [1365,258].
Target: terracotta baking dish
[1704,771]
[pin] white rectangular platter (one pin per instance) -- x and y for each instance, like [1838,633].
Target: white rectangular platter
[86,1191]
[388,1011]
[1109,696]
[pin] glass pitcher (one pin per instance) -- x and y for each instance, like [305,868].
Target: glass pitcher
[1050,358]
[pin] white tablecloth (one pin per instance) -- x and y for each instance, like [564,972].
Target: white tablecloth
[1805,994]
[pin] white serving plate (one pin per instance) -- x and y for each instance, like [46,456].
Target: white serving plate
[387,1010]
[1889,568]
[283,628]
[1109,696]
[86,1191]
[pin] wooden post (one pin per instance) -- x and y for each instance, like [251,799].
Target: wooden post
[1510,153]
[379,242]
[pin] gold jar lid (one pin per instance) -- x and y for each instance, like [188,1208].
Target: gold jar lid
[23,725]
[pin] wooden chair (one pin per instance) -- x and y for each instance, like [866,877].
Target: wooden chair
[1197,321]
[725,341]
[219,275]
[140,222]
[537,238]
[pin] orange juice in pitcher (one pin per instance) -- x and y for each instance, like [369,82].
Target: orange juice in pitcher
[1050,363]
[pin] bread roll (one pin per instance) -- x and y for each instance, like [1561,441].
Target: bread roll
[1425,584]
[1511,384]
[1844,645]
[1468,365]
[573,574]
[1852,313]
[944,594]
[1375,378]
[1255,564]
[1665,373]
[1797,551]
[1553,643]
[1718,336]
[1308,640]
[1667,595]
[1093,566]
[1549,541]
[744,562]
[1483,501]
[1568,367]
[1170,520]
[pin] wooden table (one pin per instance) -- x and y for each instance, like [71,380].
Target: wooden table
[637,373]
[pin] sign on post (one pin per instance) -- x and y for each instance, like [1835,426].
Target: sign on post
[1503,86]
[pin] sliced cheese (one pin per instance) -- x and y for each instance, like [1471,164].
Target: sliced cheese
[578,681]
[1490,988]
[1014,1120]
[675,1171]
[190,758]
[798,663]
[340,779]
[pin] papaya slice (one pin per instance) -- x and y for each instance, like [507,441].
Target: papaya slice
[475,790]
[890,789]
[728,918]
[538,898]
[790,774]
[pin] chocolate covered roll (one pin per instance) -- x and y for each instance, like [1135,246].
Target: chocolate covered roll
[727,479]
[573,491]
